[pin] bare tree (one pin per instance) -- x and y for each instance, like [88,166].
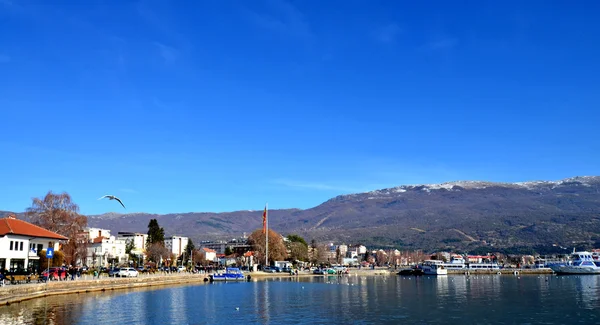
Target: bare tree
[381,257]
[277,249]
[58,213]
[157,251]
[198,257]
[322,254]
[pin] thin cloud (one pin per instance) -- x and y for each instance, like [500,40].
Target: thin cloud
[158,17]
[388,34]
[443,44]
[314,186]
[168,53]
[284,18]
[159,104]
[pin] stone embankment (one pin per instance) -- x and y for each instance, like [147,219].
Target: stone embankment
[20,292]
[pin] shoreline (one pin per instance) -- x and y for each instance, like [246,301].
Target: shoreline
[11,294]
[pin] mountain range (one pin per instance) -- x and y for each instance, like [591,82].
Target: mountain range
[459,216]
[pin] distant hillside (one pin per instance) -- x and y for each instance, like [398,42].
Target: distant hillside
[461,216]
[458,215]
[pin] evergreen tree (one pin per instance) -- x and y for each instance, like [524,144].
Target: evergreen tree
[297,247]
[297,239]
[189,248]
[129,246]
[156,234]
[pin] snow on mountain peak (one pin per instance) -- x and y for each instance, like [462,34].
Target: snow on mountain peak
[474,185]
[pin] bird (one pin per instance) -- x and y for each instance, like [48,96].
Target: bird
[112,197]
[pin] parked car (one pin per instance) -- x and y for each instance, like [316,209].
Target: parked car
[181,269]
[269,269]
[114,272]
[128,272]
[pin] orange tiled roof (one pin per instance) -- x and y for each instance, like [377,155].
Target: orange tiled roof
[208,250]
[24,228]
[98,239]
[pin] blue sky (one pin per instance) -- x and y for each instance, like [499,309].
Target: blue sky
[225,105]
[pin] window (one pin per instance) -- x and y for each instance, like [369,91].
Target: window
[11,245]
[21,246]
[40,247]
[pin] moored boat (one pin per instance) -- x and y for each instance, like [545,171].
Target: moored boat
[457,262]
[433,267]
[230,274]
[580,263]
[411,271]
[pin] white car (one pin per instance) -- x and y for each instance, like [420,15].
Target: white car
[128,272]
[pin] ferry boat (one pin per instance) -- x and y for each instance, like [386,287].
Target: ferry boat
[457,262]
[230,274]
[484,266]
[433,267]
[581,263]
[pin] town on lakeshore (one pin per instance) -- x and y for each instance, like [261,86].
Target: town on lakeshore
[56,244]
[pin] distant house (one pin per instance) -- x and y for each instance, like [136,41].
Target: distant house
[93,233]
[283,264]
[210,255]
[239,245]
[105,251]
[20,242]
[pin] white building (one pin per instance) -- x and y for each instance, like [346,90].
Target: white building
[20,241]
[209,254]
[139,241]
[343,249]
[106,251]
[176,244]
[93,233]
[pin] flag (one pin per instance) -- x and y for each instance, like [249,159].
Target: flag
[265,220]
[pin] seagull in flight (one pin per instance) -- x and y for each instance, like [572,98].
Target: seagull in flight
[112,197]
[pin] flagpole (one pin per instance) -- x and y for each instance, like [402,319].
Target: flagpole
[267,234]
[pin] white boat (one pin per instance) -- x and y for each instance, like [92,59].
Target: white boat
[457,262]
[433,267]
[484,266]
[580,263]
[230,274]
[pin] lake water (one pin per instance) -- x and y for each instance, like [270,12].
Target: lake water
[489,299]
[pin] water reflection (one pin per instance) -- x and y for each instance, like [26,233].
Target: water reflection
[330,299]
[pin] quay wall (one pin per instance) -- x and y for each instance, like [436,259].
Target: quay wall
[20,292]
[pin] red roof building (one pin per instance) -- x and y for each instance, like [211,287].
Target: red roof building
[209,254]
[15,226]
[21,241]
